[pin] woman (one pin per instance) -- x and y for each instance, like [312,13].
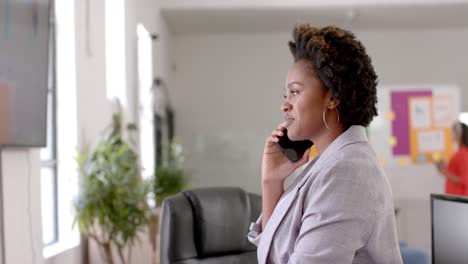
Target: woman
[456,173]
[340,209]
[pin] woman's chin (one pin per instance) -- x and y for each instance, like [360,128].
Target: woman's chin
[293,136]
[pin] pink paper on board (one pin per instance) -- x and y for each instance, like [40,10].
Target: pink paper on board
[400,125]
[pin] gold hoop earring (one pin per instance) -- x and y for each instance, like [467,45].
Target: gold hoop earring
[325,121]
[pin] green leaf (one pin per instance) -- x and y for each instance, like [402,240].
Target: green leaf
[111,190]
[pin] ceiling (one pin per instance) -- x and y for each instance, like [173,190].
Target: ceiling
[195,19]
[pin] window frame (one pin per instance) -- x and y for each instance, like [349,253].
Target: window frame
[51,163]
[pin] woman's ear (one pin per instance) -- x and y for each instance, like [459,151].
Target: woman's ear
[333,103]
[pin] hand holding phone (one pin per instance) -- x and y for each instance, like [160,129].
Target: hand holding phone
[293,150]
[279,161]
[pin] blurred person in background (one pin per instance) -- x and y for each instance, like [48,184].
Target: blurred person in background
[456,170]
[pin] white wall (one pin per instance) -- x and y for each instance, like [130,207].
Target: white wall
[227,91]
[94,110]
[21,206]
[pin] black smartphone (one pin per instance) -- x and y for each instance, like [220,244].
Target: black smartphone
[293,150]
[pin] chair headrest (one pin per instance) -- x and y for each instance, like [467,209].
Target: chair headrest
[221,219]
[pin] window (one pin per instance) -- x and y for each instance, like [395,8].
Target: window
[59,176]
[145,105]
[115,50]
[49,156]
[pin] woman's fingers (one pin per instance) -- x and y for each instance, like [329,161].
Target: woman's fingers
[282,126]
[272,138]
[277,133]
[306,155]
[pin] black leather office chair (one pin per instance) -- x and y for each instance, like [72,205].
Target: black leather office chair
[209,225]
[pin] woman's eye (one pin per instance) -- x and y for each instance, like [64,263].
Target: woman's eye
[292,93]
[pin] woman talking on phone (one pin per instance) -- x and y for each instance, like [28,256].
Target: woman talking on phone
[340,208]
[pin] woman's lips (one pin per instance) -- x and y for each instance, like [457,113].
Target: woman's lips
[288,120]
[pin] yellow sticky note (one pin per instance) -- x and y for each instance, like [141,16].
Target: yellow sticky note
[382,162]
[436,156]
[391,116]
[403,162]
[392,141]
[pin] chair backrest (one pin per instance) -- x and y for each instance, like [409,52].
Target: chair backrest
[208,225]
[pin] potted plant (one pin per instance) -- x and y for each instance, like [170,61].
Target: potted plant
[112,205]
[169,179]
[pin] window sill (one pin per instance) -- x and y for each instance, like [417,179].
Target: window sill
[59,247]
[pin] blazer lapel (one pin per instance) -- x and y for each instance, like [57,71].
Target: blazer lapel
[276,218]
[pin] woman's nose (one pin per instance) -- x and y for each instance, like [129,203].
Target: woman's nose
[285,106]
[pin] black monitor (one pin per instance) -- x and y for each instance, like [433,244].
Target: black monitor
[449,220]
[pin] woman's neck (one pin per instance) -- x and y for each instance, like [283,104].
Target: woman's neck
[326,138]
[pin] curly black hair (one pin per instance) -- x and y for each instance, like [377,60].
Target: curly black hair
[341,63]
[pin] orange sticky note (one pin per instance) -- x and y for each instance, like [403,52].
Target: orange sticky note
[436,156]
[391,116]
[403,162]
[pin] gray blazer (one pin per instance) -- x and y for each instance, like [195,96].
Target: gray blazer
[339,210]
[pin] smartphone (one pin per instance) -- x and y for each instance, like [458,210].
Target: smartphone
[293,150]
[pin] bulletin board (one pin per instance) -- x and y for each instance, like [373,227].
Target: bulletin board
[414,124]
